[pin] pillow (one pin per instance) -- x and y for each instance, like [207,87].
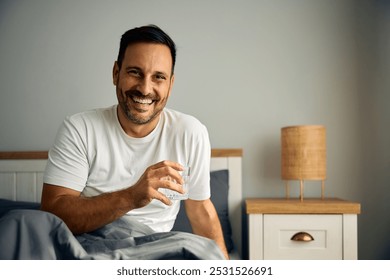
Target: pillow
[7,205]
[219,184]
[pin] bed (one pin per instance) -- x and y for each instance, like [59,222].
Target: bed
[26,231]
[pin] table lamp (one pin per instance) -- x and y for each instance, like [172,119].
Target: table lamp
[303,155]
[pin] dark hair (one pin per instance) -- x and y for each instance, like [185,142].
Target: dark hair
[146,34]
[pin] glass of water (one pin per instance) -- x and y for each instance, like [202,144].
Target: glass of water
[185,174]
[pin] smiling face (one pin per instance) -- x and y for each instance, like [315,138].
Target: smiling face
[143,85]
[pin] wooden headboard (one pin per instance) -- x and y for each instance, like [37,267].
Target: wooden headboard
[21,179]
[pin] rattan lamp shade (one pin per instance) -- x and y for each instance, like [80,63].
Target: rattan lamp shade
[303,152]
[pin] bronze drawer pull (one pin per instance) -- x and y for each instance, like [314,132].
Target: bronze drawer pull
[302,236]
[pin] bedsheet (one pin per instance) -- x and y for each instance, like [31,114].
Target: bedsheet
[33,234]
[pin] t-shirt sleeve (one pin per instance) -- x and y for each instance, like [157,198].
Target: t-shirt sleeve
[67,165]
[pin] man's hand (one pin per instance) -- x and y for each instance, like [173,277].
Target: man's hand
[155,177]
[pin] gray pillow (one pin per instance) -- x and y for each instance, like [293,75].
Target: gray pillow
[219,183]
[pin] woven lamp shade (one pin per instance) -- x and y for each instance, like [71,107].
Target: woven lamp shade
[304,154]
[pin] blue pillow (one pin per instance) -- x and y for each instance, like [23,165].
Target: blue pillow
[219,183]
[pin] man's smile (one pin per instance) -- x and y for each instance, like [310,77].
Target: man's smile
[140,100]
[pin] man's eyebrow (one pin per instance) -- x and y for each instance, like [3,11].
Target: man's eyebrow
[133,67]
[161,73]
[139,69]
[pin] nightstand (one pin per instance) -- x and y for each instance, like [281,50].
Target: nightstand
[309,229]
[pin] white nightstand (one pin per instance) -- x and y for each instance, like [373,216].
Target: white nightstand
[309,229]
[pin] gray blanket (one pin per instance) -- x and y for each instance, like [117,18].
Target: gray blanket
[34,234]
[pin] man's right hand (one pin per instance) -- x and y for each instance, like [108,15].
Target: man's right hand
[154,177]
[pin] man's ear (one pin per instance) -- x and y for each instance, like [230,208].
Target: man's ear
[171,85]
[115,73]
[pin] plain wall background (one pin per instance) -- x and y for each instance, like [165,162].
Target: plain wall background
[244,68]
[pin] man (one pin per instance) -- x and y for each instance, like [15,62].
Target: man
[111,162]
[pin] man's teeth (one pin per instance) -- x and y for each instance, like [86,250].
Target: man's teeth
[143,100]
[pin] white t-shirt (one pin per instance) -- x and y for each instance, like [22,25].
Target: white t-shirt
[92,154]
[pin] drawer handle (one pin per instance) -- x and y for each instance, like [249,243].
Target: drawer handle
[302,236]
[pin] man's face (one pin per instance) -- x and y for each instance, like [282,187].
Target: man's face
[144,82]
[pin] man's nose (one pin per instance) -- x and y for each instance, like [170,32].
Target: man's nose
[145,86]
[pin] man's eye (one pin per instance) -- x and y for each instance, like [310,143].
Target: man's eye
[160,77]
[134,72]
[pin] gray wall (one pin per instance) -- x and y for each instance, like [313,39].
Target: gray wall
[245,69]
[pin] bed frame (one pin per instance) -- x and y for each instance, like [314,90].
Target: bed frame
[22,173]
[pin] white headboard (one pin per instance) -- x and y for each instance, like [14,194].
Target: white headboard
[21,175]
[21,179]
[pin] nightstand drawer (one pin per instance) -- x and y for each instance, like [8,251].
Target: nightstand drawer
[326,230]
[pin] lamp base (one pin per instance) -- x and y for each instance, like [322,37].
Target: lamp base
[301,189]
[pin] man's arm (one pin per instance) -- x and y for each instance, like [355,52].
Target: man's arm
[204,221]
[83,214]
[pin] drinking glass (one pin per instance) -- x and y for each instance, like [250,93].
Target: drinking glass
[185,174]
